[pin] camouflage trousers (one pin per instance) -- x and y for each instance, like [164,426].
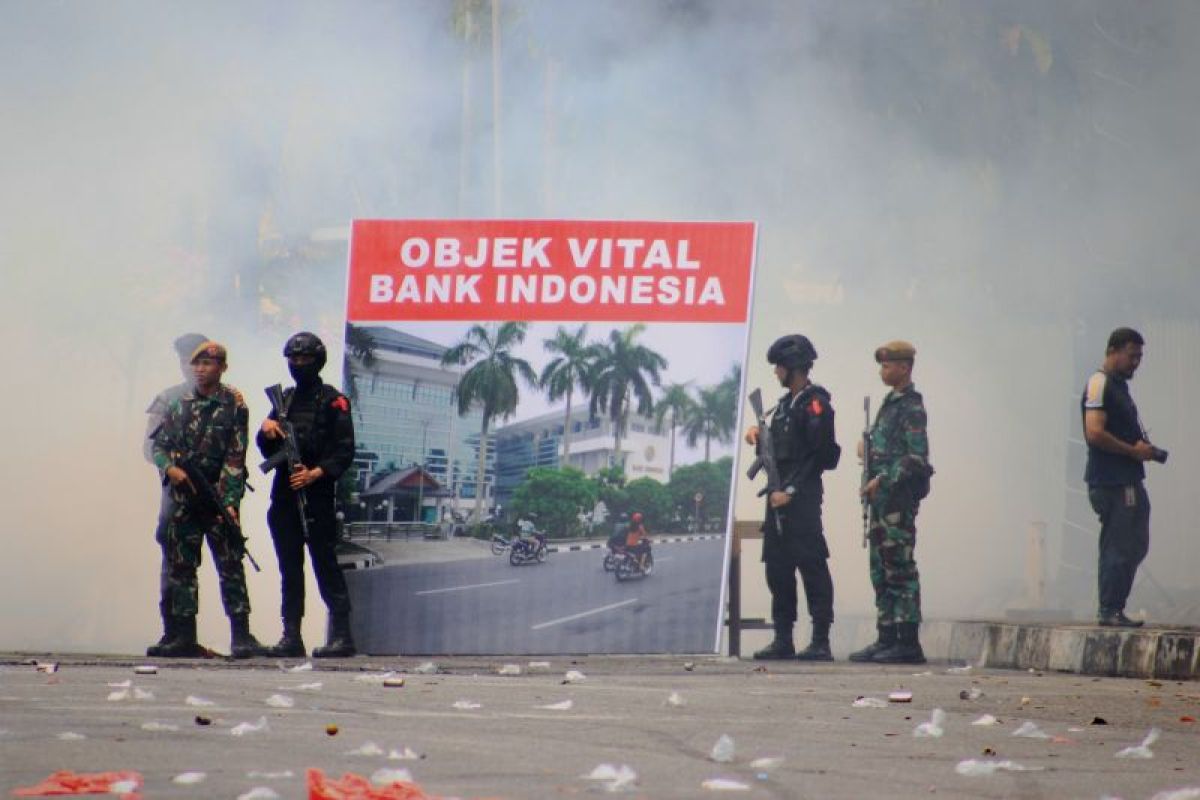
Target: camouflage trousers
[894,573]
[185,536]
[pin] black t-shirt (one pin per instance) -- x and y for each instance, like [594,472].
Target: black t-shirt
[1110,394]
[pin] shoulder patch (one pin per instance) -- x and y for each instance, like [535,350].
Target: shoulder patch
[341,403]
[1093,395]
[815,408]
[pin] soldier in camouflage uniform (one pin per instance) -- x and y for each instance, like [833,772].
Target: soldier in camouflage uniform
[207,426]
[155,415]
[898,479]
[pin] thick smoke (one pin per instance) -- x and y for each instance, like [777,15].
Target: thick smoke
[1001,183]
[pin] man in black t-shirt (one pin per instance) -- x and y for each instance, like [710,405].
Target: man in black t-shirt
[1117,450]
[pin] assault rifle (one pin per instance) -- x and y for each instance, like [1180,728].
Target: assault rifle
[765,460]
[207,497]
[288,453]
[866,468]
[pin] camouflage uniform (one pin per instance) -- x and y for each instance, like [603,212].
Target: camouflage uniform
[213,431]
[900,457]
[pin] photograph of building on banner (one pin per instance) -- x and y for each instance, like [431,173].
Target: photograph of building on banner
[540,486]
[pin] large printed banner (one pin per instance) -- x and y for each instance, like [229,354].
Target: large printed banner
[524,392]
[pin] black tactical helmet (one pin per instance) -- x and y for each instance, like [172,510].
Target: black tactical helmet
[306,344]
[792,351]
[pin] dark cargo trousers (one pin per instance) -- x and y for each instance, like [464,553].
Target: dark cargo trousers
[1124,513]
[284,520]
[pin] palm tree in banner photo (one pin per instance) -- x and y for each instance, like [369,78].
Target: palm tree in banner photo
[490,382]
[360,347]
[621,376]
[677,402]
[569,368]
[712,417]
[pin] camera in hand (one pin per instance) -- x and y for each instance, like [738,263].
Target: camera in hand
[1158,454]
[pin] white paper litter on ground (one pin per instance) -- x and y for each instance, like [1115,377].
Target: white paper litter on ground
[71,736]
[1142,750]
[1029,730]
[121,684]
[466,705]
[974,693]
[539,665]
[142,694]
[388,775]
[766,762]
[1184,793]
[722,751]
[259,793]
[305,667]
[283,773]
[159,727]
[122,787]
[250,727]
[675,700]
[375,677]
[724,785]
[959,670]
[986,719]
[565,705]
[145,669]
[574,676]
[119,695]
[932,729]
[280,701]
[192,700]
[975,767]
[869,702]
[616,778]
[901,696]
[367,749]
[407,754]
[315,686]
[509,669]
[427,668]
[189,778]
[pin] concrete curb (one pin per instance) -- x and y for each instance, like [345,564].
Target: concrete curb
[1084,649]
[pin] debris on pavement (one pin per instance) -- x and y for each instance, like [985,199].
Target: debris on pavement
[615,779]
[722,751]
[192,700]
[900,696]
[766,762]
[331,730]
[426,668]
[71,736]
[159,727]
[574,676]
[509,669]
[974,693]
[386,775]
[259,793]
[375,677]
[959,670]
[315,686]
[286,773]
[542,665]
[356,787]
[565,705]
[367,749]
[675,700]
[49,667]
[125,784]
[280,701]
[1098,721]
[973,767]
[189,778]
[305,667]
[868,702]
[145,669]
[986,719]
[688,666]
[241,729]
[407,754]
[1142,750]
[201,720]
[724,785]
[932,729]
[1185,793]
[466,705]
[1030,730]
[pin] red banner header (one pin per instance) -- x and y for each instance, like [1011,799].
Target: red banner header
[550,270]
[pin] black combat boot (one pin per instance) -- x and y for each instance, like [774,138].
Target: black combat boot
[781,646]
[184,645]
[340,643]
[818,648]
[906,650]
[291,644]
[1117,619]
[887,638]
[169,629]
[242,643]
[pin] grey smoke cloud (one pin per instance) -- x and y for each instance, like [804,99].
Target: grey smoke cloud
[1001,183]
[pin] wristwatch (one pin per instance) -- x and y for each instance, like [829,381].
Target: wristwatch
[790,491]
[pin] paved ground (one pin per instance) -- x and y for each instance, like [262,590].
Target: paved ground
[510,745]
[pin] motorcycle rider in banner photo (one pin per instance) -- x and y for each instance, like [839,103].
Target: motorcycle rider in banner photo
[802,435]
[320,418]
